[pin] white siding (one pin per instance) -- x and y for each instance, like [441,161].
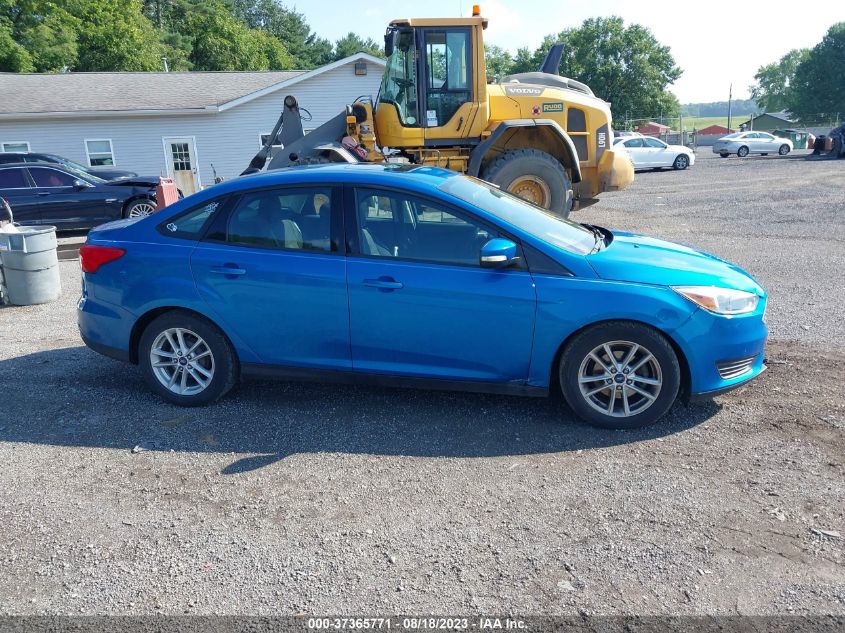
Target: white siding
[228,139]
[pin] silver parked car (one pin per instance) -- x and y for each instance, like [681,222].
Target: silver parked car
[745,143]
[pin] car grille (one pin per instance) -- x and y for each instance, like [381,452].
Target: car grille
[735,367]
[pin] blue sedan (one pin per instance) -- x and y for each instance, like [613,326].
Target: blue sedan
[414,276]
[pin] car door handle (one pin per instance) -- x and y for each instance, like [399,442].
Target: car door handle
[228,269]
[386,283]
[43,193]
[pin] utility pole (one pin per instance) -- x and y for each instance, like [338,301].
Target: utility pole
[730,96]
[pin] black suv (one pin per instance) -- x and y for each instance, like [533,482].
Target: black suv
[106,173]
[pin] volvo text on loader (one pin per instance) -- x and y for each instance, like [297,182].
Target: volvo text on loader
[541,136]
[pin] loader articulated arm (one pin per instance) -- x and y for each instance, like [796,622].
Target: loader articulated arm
[322,145]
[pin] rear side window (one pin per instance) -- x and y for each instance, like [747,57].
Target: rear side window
[44,177]
[12,179]
[189,225]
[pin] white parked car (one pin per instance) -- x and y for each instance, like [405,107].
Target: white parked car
[647,152]
[745,143]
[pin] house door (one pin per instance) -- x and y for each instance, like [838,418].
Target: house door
[181,156]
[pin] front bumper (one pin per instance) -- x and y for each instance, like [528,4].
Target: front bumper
[710,341]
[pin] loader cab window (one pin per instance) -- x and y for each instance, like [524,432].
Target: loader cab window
[448,74]
[399,84]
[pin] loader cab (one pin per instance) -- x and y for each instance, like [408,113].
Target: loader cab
[434,84]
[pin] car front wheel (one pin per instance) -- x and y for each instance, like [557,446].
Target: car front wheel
[783,150]
[681,162]
[620,375]
[186,359]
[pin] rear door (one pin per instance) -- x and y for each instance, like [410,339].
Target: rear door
[275,275]
[17,189]
[638,152]
[419,302]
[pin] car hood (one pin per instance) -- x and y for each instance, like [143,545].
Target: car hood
[647,260]
[135,181]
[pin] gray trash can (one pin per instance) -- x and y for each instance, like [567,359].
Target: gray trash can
[31,265]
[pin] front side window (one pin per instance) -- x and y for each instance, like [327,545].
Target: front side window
[298,219]
[448,74]
[399,85]
[12,179]
[99,153]
[45,177]
[418,230]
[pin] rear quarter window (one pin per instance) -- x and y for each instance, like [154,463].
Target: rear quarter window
[189,225]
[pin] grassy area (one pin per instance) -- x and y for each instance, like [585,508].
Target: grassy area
[700,122]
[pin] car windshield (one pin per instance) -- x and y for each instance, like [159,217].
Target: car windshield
[79,170]
[69,163]
[734,135]
[552,229]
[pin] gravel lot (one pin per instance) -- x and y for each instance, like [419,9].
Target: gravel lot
[300,498]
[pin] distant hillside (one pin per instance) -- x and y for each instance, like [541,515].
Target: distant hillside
[718,108]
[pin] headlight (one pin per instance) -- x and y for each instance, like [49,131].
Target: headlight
[719,300]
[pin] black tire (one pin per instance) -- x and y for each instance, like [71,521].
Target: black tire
[577,352]
[512,165]
[681,162]
[139,207]
[783,150]
[724,154]
[742,152]
[225,362]
[764,154]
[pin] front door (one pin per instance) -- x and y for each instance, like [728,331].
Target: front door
[270,270]
[419,302]
[181,157]
[68,206]
[447,93]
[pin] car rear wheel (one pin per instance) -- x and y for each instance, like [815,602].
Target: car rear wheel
[783,150]
[742,152]
[681,162]
[620,375]
[139,208]
[187,360]
[724,154]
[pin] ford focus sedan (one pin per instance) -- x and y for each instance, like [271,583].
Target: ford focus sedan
[414,276]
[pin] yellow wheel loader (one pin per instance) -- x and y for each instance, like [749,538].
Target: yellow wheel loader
[542,136]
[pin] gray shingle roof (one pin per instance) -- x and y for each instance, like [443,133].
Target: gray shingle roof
[87,92]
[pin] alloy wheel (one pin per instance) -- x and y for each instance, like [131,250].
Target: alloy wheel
[620,378]
[141,210]
[182,361]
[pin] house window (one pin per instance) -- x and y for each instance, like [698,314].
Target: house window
[16,146]
[99,152]
[262,140]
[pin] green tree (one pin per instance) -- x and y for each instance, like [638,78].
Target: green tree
[626,66]
[223,42]
[115,35]
[818,87]
[499,62]
[351,43]
[774,81]
[37,35]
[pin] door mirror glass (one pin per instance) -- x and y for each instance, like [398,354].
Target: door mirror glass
[80,184]
[498,253]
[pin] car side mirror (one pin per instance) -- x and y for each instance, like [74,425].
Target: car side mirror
[498,253]
[80,184]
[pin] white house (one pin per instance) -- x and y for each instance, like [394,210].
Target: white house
[178,123]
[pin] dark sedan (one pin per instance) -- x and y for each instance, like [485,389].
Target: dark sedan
[107,173]
[47,193]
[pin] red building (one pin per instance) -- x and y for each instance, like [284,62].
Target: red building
[653,129]
[714,130]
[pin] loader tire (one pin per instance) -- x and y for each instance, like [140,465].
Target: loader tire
[534,176]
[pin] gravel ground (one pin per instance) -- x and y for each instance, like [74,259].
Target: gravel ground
[299,498]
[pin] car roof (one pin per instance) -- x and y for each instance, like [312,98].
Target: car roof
[36,164]
[348,173]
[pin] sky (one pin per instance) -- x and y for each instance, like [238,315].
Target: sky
[713,44]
